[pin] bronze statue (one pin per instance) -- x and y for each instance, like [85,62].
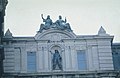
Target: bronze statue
[59,24]
[56,60]
[48,23]
[62,24]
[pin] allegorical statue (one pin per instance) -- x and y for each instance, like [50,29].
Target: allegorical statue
[56,60]
[62,24]
[48,23]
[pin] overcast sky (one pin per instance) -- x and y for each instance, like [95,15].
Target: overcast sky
[85,16]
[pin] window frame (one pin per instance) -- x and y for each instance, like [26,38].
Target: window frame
[31,59]
[83,60]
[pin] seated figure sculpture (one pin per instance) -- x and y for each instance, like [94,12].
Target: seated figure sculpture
[48,23]
[61,24]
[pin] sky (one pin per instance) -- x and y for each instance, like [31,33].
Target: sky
[23,17]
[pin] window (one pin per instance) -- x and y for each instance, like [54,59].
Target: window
[81,57]
[31,61]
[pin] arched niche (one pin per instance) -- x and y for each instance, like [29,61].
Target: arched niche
[52,49]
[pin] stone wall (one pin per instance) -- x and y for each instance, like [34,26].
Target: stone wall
[97,50]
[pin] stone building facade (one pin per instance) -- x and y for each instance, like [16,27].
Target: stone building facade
[3,4]
[57,52]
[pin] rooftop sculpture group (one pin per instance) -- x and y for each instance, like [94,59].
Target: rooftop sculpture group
[59,24]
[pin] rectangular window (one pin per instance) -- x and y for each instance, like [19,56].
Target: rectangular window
[31,61]
[81,57]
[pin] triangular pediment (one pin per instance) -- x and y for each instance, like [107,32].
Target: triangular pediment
[8,34]
[102,32]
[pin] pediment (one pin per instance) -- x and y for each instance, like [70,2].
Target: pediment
[54,35]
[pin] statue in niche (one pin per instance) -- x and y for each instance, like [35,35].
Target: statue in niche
[61,24]
[56,61]
[48,23]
